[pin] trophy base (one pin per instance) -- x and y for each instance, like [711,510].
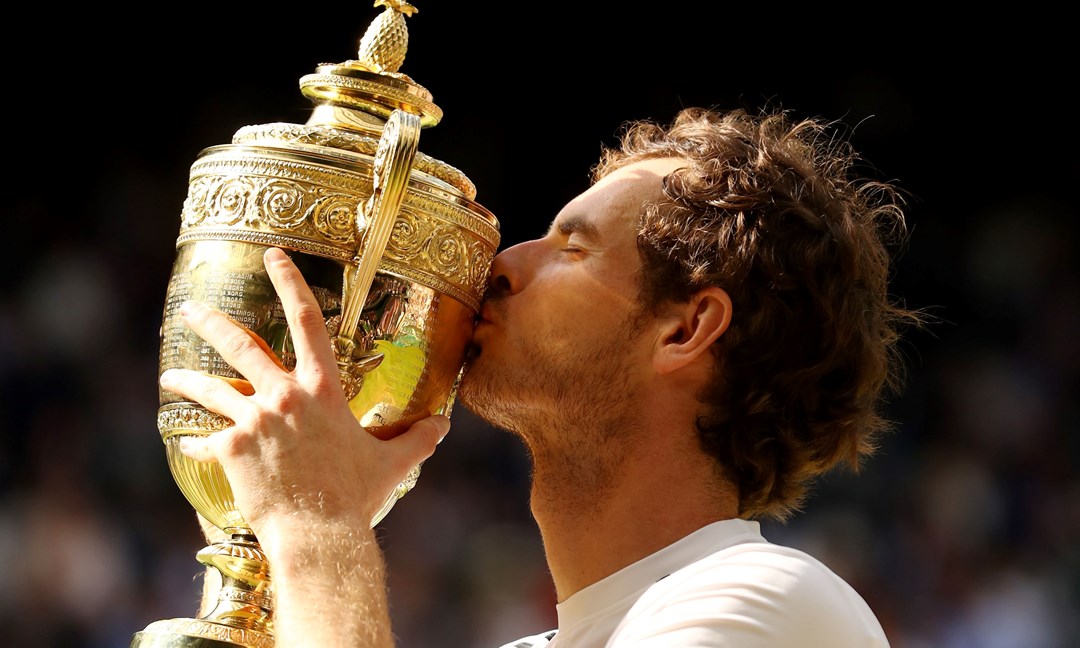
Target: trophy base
[198,633]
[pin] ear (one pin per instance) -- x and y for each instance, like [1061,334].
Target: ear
[690,328]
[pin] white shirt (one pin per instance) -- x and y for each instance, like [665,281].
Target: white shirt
[722,586]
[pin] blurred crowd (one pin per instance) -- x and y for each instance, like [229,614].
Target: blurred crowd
[962,532]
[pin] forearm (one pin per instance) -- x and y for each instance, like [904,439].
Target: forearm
[330,589]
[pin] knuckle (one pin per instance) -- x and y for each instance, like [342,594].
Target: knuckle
[260,419]
[309,315]
[284,395]
[236,345]
[429,446]
[212,387]
[325,387]
[233,443]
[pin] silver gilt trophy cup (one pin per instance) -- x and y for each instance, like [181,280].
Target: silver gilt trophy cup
[393,246]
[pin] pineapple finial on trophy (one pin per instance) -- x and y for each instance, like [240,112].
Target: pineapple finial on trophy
[392,244]
[382,49]
[347,93]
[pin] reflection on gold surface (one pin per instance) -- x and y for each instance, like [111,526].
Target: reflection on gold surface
[393,246]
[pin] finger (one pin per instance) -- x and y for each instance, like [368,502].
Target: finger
[197,448]
[302,312]
[264,346]
[236,344]
[211,392]
[418,442]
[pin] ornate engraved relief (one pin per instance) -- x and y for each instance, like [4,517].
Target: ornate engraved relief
[283,203]
[245,596]
[209,630]
[334,217]
[324,136]
[441,251]
[266,199]
[173,418]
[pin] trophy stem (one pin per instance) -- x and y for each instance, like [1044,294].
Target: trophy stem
[244,600]
[243,614]
[396,252]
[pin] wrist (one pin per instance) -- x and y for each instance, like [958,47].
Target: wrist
[309,546]
[319,570]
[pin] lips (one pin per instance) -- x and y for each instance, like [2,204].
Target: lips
[484,324]
[486,314]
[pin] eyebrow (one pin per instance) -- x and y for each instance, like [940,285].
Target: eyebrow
[576,224]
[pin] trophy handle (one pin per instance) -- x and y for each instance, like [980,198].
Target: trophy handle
[304,188]
[391,169]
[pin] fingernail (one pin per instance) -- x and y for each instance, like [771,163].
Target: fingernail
[442,424]
[168,378]
[189,308]
[274,254]
[189,444]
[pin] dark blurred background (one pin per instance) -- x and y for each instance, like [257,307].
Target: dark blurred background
[964,531]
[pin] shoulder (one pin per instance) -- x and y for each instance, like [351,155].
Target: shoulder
[775,569]
[761,573]
[761,590]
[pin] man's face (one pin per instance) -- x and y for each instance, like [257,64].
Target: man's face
[557,345]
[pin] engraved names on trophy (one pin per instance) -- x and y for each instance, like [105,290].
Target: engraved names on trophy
[301,188]
[173,329]
[227,291]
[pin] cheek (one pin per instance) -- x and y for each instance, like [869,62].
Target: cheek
[574,323]
[559,309]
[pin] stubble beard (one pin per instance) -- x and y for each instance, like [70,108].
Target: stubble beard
[576,416]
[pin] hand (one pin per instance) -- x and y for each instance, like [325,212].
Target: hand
[296,457]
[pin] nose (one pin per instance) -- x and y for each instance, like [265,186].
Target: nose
[510,270]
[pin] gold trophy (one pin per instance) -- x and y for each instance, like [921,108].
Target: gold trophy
[393,246]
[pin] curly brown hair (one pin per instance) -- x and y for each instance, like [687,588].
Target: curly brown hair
[770,210]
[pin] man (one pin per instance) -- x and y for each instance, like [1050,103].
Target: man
[697,336]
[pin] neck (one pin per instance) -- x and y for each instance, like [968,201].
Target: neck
[599,515]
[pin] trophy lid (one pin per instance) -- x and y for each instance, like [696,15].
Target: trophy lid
[354,98]
[372,83]
[307,187]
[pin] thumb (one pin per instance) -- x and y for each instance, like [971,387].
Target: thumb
[197,447]
[419,441]
[442,426]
